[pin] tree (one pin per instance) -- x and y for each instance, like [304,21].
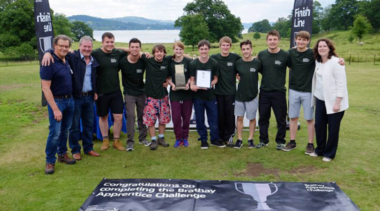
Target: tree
[317,17]
[283,26]
[80,29]
[343,13]
[218,18]
[256,36]
[370,9]
[361,27]
[262,26]
[62,25]
[16,25]
[194,28]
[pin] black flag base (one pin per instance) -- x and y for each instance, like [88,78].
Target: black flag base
[197,195]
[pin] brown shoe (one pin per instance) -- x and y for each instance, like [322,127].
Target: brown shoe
[117,145]
[93,153]
[77,156]
[49,168]
[162,142]
[105,145]
[66,159]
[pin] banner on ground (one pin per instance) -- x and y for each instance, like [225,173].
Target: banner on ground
[197,195]
[44,30]
[302,19]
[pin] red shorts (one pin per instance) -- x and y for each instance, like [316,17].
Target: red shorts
[156,108]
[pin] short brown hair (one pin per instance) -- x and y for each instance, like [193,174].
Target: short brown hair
[135,40]
[158,47]
[62,37]
[246,42]
[330,44]
[303,34]
[204,42]
[179,44]
[273,32]
[225,39]
[108,35]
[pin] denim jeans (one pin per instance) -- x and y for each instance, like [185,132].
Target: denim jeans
[58,131]
[84,111]
[212,117]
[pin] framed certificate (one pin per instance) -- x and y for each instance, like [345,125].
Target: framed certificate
[203,79]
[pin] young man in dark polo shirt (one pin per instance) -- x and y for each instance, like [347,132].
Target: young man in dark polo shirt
[302,64]
[246,101]
[225,90]
[133,69]
[57,88]
[272,90]
[157,102]
[109,93]
[204,99]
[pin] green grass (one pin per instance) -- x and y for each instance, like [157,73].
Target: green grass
[24,129]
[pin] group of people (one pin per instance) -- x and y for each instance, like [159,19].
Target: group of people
[73,81]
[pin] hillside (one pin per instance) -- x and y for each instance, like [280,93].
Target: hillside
[122,23]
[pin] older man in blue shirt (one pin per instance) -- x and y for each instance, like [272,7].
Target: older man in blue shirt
[57,88]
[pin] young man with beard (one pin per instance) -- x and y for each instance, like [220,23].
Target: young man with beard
[246,96]
[225,90]
[109,93]
[273,91]
[204,99]
[133,69]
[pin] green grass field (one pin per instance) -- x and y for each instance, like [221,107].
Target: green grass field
[24,129]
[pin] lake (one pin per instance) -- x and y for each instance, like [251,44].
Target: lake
[145,36]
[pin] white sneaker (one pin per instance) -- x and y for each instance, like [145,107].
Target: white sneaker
[326,159]
[313,154]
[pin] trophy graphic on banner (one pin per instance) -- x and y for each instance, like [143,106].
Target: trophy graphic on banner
[259,192]
[180,79]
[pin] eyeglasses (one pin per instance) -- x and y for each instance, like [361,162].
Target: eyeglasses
[63,46]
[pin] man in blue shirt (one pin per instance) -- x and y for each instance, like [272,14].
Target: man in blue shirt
[84,92]
[57,88]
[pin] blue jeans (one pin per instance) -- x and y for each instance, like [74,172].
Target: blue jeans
[84,110]
[212,117]
[57,139]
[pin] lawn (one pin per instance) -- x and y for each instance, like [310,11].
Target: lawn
[24,129]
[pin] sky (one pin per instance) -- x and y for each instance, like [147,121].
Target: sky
[249,11]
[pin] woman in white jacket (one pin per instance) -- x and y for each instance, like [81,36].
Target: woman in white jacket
[330,98]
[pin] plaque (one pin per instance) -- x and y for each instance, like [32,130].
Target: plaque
[180,79]
[203,79]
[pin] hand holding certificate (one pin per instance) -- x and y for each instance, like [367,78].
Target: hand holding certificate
[203,79]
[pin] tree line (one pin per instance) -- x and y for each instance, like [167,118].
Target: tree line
[358,16]
[17,31]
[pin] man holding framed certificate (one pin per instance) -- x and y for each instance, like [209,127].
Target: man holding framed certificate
[204,74]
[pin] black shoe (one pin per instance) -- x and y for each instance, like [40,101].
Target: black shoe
[217,144]
[309,149]
[251,144]
[290,146]
[204,145]
[239,144]
[153,145]
[261,144]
